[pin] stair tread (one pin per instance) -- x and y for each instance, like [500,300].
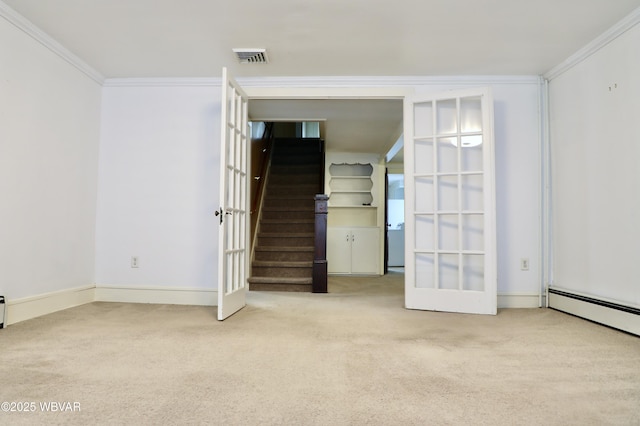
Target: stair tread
[282,264]
[288,209]
[293,185]
[296,221]
[285,248]
[286,234]
[280,280]
[306,197]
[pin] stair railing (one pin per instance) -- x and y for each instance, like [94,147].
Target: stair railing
[261,181]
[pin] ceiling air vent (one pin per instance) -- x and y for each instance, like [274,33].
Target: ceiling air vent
[251,56]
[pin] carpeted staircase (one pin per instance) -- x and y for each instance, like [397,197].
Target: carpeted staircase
[284,249]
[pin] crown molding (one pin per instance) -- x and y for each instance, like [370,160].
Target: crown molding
[598,43]
[385,81]
[318,82]
[162,82]
[47,41]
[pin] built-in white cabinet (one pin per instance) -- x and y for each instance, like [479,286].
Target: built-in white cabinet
[355,215]
[352,184]
[353,250]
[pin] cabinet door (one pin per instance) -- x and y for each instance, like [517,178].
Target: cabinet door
[338,250]
[365,253]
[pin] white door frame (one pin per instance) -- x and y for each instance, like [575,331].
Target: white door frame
[254,91]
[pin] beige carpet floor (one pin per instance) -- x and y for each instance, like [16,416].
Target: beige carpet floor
[350,357]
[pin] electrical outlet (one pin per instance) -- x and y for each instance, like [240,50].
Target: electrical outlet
[135,262]
[524,264]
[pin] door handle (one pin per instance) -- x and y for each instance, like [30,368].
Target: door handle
[220,213]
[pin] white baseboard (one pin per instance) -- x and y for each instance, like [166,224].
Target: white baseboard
[159,295]
[47,303]
[612,314]
[527,300]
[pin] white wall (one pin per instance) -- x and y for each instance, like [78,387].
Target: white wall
[49,135]
[159,175]
[517,152]
[158,187]
[595,141]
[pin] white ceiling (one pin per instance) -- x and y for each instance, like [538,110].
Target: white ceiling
[349,125]
[194,38]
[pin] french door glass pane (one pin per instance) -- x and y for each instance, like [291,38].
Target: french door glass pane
[447,155]
[471,153]
[424,232]
[448,232]
[423,119]
[448,193]
[447,117]
[470,114]
[473,272]
[424,270]
[473,232]
[472,197]
[424,194]
[448,271]
[423,153]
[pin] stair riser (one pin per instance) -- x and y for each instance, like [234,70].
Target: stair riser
[295,160]
[295,203]
[312,147]
[282,256]
[285,192]
[302,179]
[294,214]
[285,241]
[272,271]
[281,287]
[278,169]
[287,227]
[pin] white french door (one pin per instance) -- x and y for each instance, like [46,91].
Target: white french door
[450,246]
[233,213]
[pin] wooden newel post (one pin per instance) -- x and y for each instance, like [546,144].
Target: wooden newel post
[320,252]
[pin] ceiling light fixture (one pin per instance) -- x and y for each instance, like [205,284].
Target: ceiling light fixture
[251,56]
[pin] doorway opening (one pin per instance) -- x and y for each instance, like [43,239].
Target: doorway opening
[352,127]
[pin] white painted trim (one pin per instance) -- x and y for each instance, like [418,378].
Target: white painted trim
[323,82]
[518,300]
[162,82]
[157,295]
[598,43]
[385,81]
[621,320]
[42,304]
[47,41]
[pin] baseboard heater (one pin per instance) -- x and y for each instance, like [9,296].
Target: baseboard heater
[609,313]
